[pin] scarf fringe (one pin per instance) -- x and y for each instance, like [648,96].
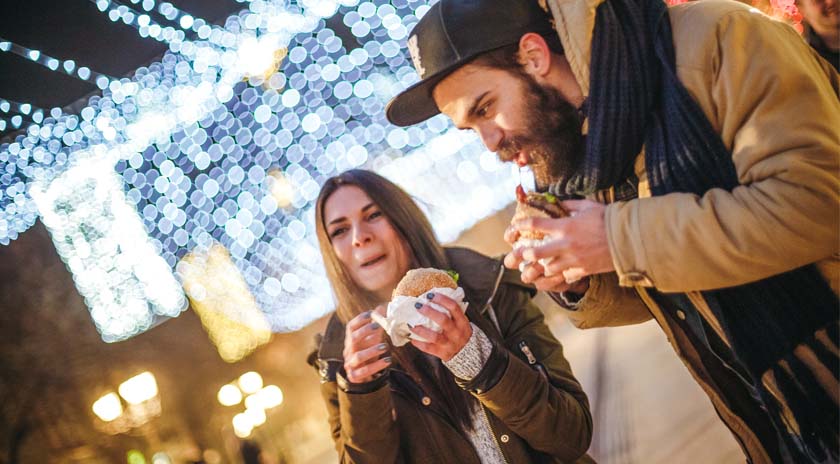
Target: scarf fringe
[799,405]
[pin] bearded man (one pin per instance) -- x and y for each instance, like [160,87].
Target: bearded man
[703,138]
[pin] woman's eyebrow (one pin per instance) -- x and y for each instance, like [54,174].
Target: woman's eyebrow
[342,218]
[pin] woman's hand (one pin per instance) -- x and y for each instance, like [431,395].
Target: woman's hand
[455,328]
[364,347]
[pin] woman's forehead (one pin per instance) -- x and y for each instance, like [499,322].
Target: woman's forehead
[346,201]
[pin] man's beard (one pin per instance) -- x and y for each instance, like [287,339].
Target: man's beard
[552,135]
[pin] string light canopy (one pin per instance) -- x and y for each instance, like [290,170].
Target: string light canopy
[224,143]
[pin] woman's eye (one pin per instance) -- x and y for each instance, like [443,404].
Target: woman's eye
[374,215]
[337,232]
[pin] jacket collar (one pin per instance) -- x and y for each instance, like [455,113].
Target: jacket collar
[575,23]
[479,275]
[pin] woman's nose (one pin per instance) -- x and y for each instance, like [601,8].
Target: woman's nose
[361,236]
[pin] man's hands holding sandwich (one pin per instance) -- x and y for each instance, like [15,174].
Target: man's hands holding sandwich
[573,247]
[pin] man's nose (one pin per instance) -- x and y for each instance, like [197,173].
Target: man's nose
[491,137]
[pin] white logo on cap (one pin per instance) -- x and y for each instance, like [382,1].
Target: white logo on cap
[414,50]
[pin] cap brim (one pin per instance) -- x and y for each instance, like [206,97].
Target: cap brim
[415,104]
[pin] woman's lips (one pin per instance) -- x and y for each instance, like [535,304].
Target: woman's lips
[373,261]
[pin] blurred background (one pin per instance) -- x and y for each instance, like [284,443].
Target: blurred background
[160,285]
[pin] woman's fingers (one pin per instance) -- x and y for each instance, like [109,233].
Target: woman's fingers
[429,335]
[358,336]
[439,344]
[382,310]
[456,315]
[455,329]
[366,334]
[358,321]
[365,373]
[362,357]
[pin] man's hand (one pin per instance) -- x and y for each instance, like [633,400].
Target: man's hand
[534,273]
[577,247]
[455,328]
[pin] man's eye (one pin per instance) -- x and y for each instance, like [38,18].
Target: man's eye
[482,112]
[337,232]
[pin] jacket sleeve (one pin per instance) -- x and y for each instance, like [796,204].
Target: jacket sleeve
[544,405]
[606,304]
[362,425]
[777,110]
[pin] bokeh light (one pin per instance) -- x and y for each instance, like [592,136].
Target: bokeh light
[219,146]
[108,407]
[250,382]
[229,395]
[139,388]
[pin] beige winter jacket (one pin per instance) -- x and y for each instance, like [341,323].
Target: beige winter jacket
[776,109]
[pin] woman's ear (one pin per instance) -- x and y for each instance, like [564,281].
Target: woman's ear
[534,55]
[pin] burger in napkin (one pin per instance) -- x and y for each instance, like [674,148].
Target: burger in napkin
[533,204]
[402,314]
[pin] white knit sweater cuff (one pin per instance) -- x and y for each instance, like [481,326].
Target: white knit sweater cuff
[467,363]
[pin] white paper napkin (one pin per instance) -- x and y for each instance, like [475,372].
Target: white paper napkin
[402,315]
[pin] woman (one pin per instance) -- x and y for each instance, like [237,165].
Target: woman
[492,386]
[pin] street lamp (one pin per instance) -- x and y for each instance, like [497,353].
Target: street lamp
[139,388]
[108,407]
[257,400]
[137,403]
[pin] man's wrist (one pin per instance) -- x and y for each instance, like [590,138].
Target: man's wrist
[572,296]
[578,288]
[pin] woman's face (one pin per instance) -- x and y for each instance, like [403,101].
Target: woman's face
[372,251]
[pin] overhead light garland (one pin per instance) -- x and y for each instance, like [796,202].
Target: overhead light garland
[206,158]
[68,67]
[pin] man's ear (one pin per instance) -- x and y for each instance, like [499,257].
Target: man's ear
[534,55]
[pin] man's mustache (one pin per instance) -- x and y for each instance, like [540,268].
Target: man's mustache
[509,147]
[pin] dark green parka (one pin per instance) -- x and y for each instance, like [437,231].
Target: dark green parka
[536,408]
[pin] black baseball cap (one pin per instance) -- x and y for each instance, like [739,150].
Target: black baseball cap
[452,33]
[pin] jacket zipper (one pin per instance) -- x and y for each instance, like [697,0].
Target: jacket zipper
[492,433]
[532,360]
[523,347]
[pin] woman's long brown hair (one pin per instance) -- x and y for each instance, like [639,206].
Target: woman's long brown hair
[412,226]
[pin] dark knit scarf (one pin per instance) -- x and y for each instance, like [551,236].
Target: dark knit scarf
[637,100]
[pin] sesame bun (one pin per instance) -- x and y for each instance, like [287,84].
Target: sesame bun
[419,281]
[537,205]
